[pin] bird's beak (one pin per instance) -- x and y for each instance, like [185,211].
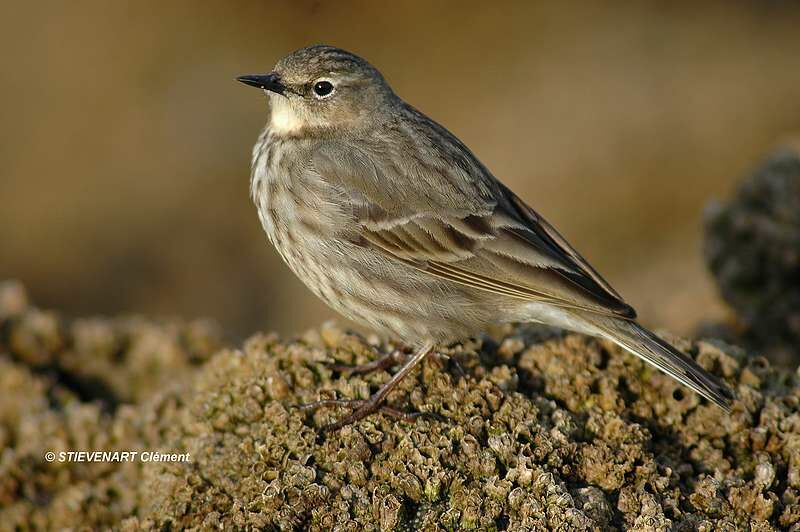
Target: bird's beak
[269,82]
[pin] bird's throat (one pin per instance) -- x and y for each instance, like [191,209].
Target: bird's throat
[284,120]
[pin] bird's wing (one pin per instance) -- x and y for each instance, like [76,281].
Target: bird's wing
[449,217]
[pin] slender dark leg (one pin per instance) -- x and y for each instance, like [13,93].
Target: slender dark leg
[386,361]
[355,403]
[373,404]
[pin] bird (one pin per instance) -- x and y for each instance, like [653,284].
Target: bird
[394,222]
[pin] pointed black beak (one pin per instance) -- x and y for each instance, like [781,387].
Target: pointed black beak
[270,82]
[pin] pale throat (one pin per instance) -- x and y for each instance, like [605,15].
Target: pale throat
[283,118]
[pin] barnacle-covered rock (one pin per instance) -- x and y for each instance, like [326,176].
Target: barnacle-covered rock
[533,430]
[752,247]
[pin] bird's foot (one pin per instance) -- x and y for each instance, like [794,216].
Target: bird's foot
[361,409]
[395,358]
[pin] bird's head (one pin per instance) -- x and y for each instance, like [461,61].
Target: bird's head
[322,88]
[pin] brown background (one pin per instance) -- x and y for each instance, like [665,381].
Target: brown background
[126,142]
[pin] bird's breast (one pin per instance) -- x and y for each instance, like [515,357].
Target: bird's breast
[301,215]
[296,206]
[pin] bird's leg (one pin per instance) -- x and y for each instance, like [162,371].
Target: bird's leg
[355,403]
[386,361]
[363,408]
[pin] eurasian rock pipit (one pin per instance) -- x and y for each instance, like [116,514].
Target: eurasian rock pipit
[393,222]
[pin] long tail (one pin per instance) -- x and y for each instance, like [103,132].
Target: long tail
[652,349]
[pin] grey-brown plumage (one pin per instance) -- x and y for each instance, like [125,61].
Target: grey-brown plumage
[393,222]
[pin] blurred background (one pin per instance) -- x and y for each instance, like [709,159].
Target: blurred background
[127,142]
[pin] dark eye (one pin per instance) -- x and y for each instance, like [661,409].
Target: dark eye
[323,88]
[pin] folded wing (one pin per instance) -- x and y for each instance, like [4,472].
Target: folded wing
[446,215]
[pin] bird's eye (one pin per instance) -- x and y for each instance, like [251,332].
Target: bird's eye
[323,88]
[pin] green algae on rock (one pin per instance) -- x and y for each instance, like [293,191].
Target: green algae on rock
[541,431]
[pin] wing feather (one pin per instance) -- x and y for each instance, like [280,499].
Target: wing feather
[457,222]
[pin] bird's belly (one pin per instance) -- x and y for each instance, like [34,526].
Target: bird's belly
[387,296]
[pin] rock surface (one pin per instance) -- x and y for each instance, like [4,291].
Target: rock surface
[539,431]
[752,247]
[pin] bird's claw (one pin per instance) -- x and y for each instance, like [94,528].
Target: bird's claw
[361,409]
[395,358]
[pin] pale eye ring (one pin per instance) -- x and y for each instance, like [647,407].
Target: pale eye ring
[323,88]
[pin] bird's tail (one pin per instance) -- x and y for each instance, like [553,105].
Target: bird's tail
[652,349]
